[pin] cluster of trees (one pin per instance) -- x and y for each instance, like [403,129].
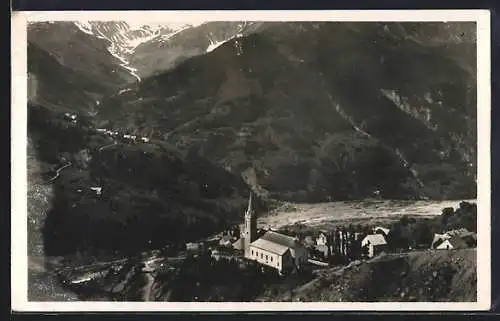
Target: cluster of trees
[344,244]
[198,277]
[464,216]
[410,232]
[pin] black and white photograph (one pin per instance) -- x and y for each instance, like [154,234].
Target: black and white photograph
[261,161]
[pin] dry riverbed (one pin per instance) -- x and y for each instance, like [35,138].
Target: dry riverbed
[322,215]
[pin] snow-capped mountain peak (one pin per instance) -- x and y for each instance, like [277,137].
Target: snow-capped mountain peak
[124,37]
[146,49]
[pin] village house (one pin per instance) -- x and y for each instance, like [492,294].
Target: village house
[323,249]
[70,116]
[438,239]
[322,239]
[225,240]
[215,254]
[466,237]
[453,243]
[97,190]
[273,249]
[192,246]
[375,243]
[381,230]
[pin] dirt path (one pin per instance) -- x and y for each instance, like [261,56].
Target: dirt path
[148,287]
[106,146]
[58,172]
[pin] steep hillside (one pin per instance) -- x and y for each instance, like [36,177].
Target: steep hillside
[152,194]
[314,111]
[123,37]
[80,52]
[147,50]
[59,87]
[428,276]
[164,52]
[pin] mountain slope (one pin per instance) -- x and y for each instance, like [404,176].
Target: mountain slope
[430,276]
[58,87]
[123,38]
[310,111]
[164,52]
[152,194]
[80,52]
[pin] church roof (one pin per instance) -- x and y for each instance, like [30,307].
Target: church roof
[275,242]
[280,239]
[270,246]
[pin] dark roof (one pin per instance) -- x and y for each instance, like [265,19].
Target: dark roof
[239,244]
[280,239]
[270,246]
[458,232]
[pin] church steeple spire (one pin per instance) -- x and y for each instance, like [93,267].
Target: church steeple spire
[249,232]
[250,208]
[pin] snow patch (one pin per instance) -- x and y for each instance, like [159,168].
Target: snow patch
[129,35]
[168,36]
[81,280]
[214,45]
[123,91]
[124,63]
[85,26]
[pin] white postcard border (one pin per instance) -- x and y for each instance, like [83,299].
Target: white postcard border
[19,264]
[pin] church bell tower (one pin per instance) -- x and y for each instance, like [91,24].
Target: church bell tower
[249,232]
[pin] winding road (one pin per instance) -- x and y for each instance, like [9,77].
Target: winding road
[58,172]
[148,269]
[107,146]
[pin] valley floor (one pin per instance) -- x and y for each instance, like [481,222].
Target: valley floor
[321,215]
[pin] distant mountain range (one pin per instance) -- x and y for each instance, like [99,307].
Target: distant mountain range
[323,110]
[302,110]
[150,49]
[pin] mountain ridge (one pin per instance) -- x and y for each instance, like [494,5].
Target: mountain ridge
[230,78]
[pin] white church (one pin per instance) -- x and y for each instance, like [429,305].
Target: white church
[276,250]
